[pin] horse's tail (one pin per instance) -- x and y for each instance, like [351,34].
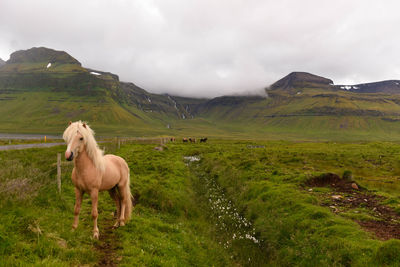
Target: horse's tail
[128,194]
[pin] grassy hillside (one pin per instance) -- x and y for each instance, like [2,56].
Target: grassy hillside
[44,111]
[244,203]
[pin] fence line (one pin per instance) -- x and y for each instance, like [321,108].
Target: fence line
[118,141]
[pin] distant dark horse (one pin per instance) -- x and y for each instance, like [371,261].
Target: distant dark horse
[172,139]
[185,140]
[203,140]
[192,140]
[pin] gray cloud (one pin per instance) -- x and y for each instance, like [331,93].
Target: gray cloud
[209,47]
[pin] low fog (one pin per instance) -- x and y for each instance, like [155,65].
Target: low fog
[210,48]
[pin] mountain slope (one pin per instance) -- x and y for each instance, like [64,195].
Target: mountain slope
[386,87]
[50,87]
[42,68]
[160,105]
[41,89]
[302,105]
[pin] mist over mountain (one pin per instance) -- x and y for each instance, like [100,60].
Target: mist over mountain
[212,48]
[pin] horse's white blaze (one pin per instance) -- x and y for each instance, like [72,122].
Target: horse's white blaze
[68,151]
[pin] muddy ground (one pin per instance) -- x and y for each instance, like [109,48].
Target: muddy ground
[347,195]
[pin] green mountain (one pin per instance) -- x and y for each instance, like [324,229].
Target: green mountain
[305,106]
[41,89]
[50,88]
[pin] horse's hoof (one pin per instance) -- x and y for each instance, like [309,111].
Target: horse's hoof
[96,235]
[116,225]
[121,223]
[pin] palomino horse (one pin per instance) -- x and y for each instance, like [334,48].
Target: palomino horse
[94,172]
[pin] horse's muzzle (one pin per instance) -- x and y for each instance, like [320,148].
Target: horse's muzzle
[71,157]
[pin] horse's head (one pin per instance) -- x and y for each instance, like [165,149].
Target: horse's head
[75,139]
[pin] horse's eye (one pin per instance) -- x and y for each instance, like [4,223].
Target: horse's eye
[81,138]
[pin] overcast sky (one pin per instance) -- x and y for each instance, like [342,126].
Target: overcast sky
[212,47]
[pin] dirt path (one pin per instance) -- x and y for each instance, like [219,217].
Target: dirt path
[108,244]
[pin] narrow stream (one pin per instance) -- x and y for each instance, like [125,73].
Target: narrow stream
[233,229]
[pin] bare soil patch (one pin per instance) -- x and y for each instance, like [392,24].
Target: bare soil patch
[344,198]
[330,179]
[108,244]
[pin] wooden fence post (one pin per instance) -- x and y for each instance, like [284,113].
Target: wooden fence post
[59,172]
[119,143]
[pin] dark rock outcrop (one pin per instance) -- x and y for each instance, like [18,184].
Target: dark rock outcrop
[42,54]
[296,80]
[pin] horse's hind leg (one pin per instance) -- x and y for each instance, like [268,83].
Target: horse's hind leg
[77,209]
[114,195]
[123,199]
[94,195]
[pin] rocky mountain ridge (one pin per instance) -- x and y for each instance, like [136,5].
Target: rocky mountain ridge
[42,54]
[295,80]
[298,80]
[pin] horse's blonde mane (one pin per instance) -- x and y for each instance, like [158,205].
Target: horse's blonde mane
[93,150]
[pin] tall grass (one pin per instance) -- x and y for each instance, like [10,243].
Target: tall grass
[181,217]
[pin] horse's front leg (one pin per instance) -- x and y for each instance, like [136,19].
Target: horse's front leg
[77,209]
[94,195]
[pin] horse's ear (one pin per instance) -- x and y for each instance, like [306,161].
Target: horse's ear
[70,122]
[84,125]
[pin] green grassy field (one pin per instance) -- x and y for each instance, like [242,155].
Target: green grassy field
[223,203]
[51,112]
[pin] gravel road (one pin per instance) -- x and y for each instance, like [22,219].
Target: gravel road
[24,146]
